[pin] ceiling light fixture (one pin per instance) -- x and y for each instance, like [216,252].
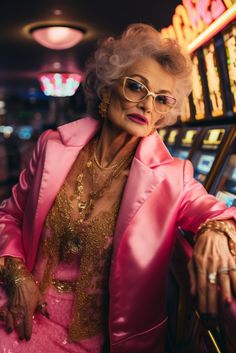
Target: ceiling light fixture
[59,84]
[57,36]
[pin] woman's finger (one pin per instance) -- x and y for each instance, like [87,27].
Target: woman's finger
[202,292]
[3,313]
[224,281]
[200,265]
[232,274]
[18,314]
[212,303]
[28,323]
[9,322]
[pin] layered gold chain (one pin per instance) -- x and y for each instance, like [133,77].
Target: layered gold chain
[85,207]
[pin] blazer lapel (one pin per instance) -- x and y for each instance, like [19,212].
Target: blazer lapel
[59,158]
[58,161]
[60,155]
[143,179]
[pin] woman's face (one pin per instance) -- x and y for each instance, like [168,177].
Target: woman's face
[140,119]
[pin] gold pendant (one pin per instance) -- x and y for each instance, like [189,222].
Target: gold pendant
[82,205]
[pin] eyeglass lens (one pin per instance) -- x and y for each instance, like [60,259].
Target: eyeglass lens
[135,91]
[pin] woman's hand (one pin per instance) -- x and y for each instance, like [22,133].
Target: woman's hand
[24,299]
[212,267]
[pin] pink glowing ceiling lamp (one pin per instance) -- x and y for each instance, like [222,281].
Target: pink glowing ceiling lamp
[57,37]
[59,84]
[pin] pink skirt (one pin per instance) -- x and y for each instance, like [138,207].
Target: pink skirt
[49,335]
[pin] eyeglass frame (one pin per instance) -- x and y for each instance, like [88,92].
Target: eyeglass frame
[149,93]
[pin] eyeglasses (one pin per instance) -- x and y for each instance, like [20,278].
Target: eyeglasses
[135,91]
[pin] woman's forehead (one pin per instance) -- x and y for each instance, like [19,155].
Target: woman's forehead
[152,74]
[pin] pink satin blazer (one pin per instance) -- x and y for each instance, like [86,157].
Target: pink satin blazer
[160,195]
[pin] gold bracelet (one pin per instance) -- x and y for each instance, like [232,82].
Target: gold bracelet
[223,227]
[15,272]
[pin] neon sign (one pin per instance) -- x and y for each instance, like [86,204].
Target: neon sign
[213,80]
[198,99]
[230,45]
[191,18]
[186,115]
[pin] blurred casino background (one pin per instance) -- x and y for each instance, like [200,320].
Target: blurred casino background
[41,87]
[25,111]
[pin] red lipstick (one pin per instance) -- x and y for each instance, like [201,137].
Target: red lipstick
[137,118]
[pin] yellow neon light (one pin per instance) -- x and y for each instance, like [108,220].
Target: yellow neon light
[172,136]
[214,28]
[189,136]
[162,133]
[214,137]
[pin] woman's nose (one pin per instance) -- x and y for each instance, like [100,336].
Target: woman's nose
[146,104]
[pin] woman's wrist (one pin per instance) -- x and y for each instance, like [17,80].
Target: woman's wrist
[226,228]
[14,273]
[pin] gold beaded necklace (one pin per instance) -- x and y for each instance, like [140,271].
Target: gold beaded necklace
[85,207]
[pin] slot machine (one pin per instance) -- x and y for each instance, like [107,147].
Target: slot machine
[212,108]
[224,183]
[197,95]
[214,82]
[224,187]
[187,142]
[214,162]
[229,39]
[213,143]
[172,138]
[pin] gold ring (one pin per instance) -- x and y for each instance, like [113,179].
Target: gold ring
[212,277]
[223,271]
[232,269]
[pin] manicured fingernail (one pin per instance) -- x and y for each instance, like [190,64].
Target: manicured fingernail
[46,314]
[8,330]
[227,302]
[21,338]
[27,338]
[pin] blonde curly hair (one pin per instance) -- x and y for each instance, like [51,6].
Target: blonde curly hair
[115,55]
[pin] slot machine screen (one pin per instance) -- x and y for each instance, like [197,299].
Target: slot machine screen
[198,99]
[204,157]
[227,186]
[186,143]
[226,197]
[230,47]
[213,80]
[204,166]
[182,154]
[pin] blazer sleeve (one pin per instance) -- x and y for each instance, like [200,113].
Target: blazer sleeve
[197,205]
[12,209]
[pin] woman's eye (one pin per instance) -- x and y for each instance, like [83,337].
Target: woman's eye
[162,99]
[135,86]
[167,100]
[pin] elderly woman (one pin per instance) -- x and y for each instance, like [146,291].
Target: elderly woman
[85,239]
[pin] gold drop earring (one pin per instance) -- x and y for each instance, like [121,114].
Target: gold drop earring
[104,104]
